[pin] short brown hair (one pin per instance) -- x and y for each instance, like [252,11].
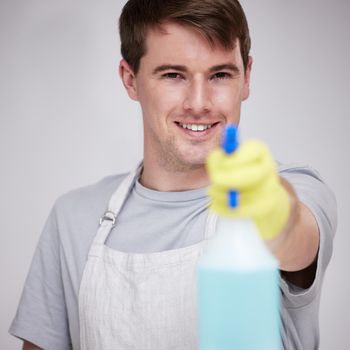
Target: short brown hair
[221,21]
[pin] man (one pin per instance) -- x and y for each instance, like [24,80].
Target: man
[131,285]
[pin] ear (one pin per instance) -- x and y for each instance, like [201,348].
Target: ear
[128,78]
[246,83]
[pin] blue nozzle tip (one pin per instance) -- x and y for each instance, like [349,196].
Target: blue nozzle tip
[230,140]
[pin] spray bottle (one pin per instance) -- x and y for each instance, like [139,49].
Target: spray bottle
[238,289]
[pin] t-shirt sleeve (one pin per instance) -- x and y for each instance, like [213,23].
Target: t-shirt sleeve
[320,200]
[41,316]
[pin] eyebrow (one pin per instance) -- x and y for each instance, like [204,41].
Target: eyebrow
[165,67]
[227,66]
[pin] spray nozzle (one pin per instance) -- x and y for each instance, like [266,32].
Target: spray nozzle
[230,144]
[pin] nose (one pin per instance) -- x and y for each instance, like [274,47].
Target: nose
[198,97]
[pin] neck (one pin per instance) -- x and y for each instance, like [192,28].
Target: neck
[160,178]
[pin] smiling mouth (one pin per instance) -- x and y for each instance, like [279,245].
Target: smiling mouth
[196,127]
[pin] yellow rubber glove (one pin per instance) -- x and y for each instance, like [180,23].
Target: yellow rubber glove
[252,172]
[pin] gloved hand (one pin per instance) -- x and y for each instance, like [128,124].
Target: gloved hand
[252,172]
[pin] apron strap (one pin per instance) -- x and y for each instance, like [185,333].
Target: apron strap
[210,226]
[115,204]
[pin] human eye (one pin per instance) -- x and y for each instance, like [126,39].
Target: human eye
[172,75]
[222,75]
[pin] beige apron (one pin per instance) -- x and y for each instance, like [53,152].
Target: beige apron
[138,301]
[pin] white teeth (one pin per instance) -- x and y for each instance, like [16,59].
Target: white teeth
[196,127]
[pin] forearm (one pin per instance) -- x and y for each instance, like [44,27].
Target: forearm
[297,246]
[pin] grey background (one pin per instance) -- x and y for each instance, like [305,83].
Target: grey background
[66,121]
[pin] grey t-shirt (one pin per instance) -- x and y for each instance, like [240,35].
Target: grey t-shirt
[150,221]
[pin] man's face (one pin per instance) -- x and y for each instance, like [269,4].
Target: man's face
[188,91]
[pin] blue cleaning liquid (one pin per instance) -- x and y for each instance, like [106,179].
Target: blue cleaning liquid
[237,318]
